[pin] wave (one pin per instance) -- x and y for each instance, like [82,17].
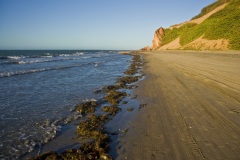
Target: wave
[74,54]
[42,59]
[11,57]
[9,74]
[45,55]
[46,60]
[26,141]
[15,73]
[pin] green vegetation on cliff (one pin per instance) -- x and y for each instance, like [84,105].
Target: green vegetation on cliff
[224,24]
[172,34]
[210,7]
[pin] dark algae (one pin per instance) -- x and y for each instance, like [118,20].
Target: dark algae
[114,97]
[91,129]
[86,107]
[130,109]
[112,110]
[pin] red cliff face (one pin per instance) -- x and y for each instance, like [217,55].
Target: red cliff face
[156,43]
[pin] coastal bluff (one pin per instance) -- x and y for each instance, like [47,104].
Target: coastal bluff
[215,28]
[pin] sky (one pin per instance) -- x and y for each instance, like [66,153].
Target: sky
[89,24]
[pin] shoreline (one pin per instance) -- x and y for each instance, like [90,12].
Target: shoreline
[103,122]
[193,107]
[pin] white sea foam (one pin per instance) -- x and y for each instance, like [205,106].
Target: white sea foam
[79,53]
[14,57]
[46,56]
[75,54]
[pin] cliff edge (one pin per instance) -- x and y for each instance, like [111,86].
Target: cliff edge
[215,28]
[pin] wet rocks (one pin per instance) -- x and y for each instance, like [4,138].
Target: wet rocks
[93,127]
[111,87]
[88,151]
[114,97]
[74,154]
[142,106]
[86,107]
[128,79]
[125,102]
[147,48]
[133,68]
[49,155]
[130,109]
[98,91]
[111,109]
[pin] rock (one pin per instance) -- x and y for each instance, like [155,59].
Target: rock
[114,97]
[125,102]
[86,107]
[98,91]
[142,106]
[49,155]
[157,40]
[111,87]
[93,127]
[105,156]
[129,109]
[147,48]
[111,109]
[128,79]
[73,154]
[124,130]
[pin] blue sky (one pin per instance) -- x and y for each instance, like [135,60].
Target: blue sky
[89,24]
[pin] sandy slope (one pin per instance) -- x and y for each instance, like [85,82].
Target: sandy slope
[193,108]
[175,44]
[198,44]
[205,44]
[200,19]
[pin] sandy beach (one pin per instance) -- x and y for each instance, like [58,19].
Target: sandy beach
[192,111]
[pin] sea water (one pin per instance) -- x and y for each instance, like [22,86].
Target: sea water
[39,89]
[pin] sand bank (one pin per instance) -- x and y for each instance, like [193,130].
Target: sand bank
[193,108]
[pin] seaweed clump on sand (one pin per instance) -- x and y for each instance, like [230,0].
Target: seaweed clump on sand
[128,79]
[130,109]
[113,110]
[133,68]
[92,129]
[96,148]
[114,97]
[112,87]
[86,107]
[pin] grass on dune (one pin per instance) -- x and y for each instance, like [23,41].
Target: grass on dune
[224,24]
[210,7]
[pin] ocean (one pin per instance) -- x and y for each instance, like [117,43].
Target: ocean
[40,88]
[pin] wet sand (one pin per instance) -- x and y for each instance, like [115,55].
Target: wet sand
[193,108]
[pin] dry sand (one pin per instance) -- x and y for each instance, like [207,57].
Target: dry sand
[205,44]
[193,108]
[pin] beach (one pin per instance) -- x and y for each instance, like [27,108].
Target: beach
[45,94]
[192,107]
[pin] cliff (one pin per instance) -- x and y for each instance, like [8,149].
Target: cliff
[215,28]
[157,40]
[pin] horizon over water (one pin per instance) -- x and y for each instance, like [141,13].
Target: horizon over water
[40,88]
